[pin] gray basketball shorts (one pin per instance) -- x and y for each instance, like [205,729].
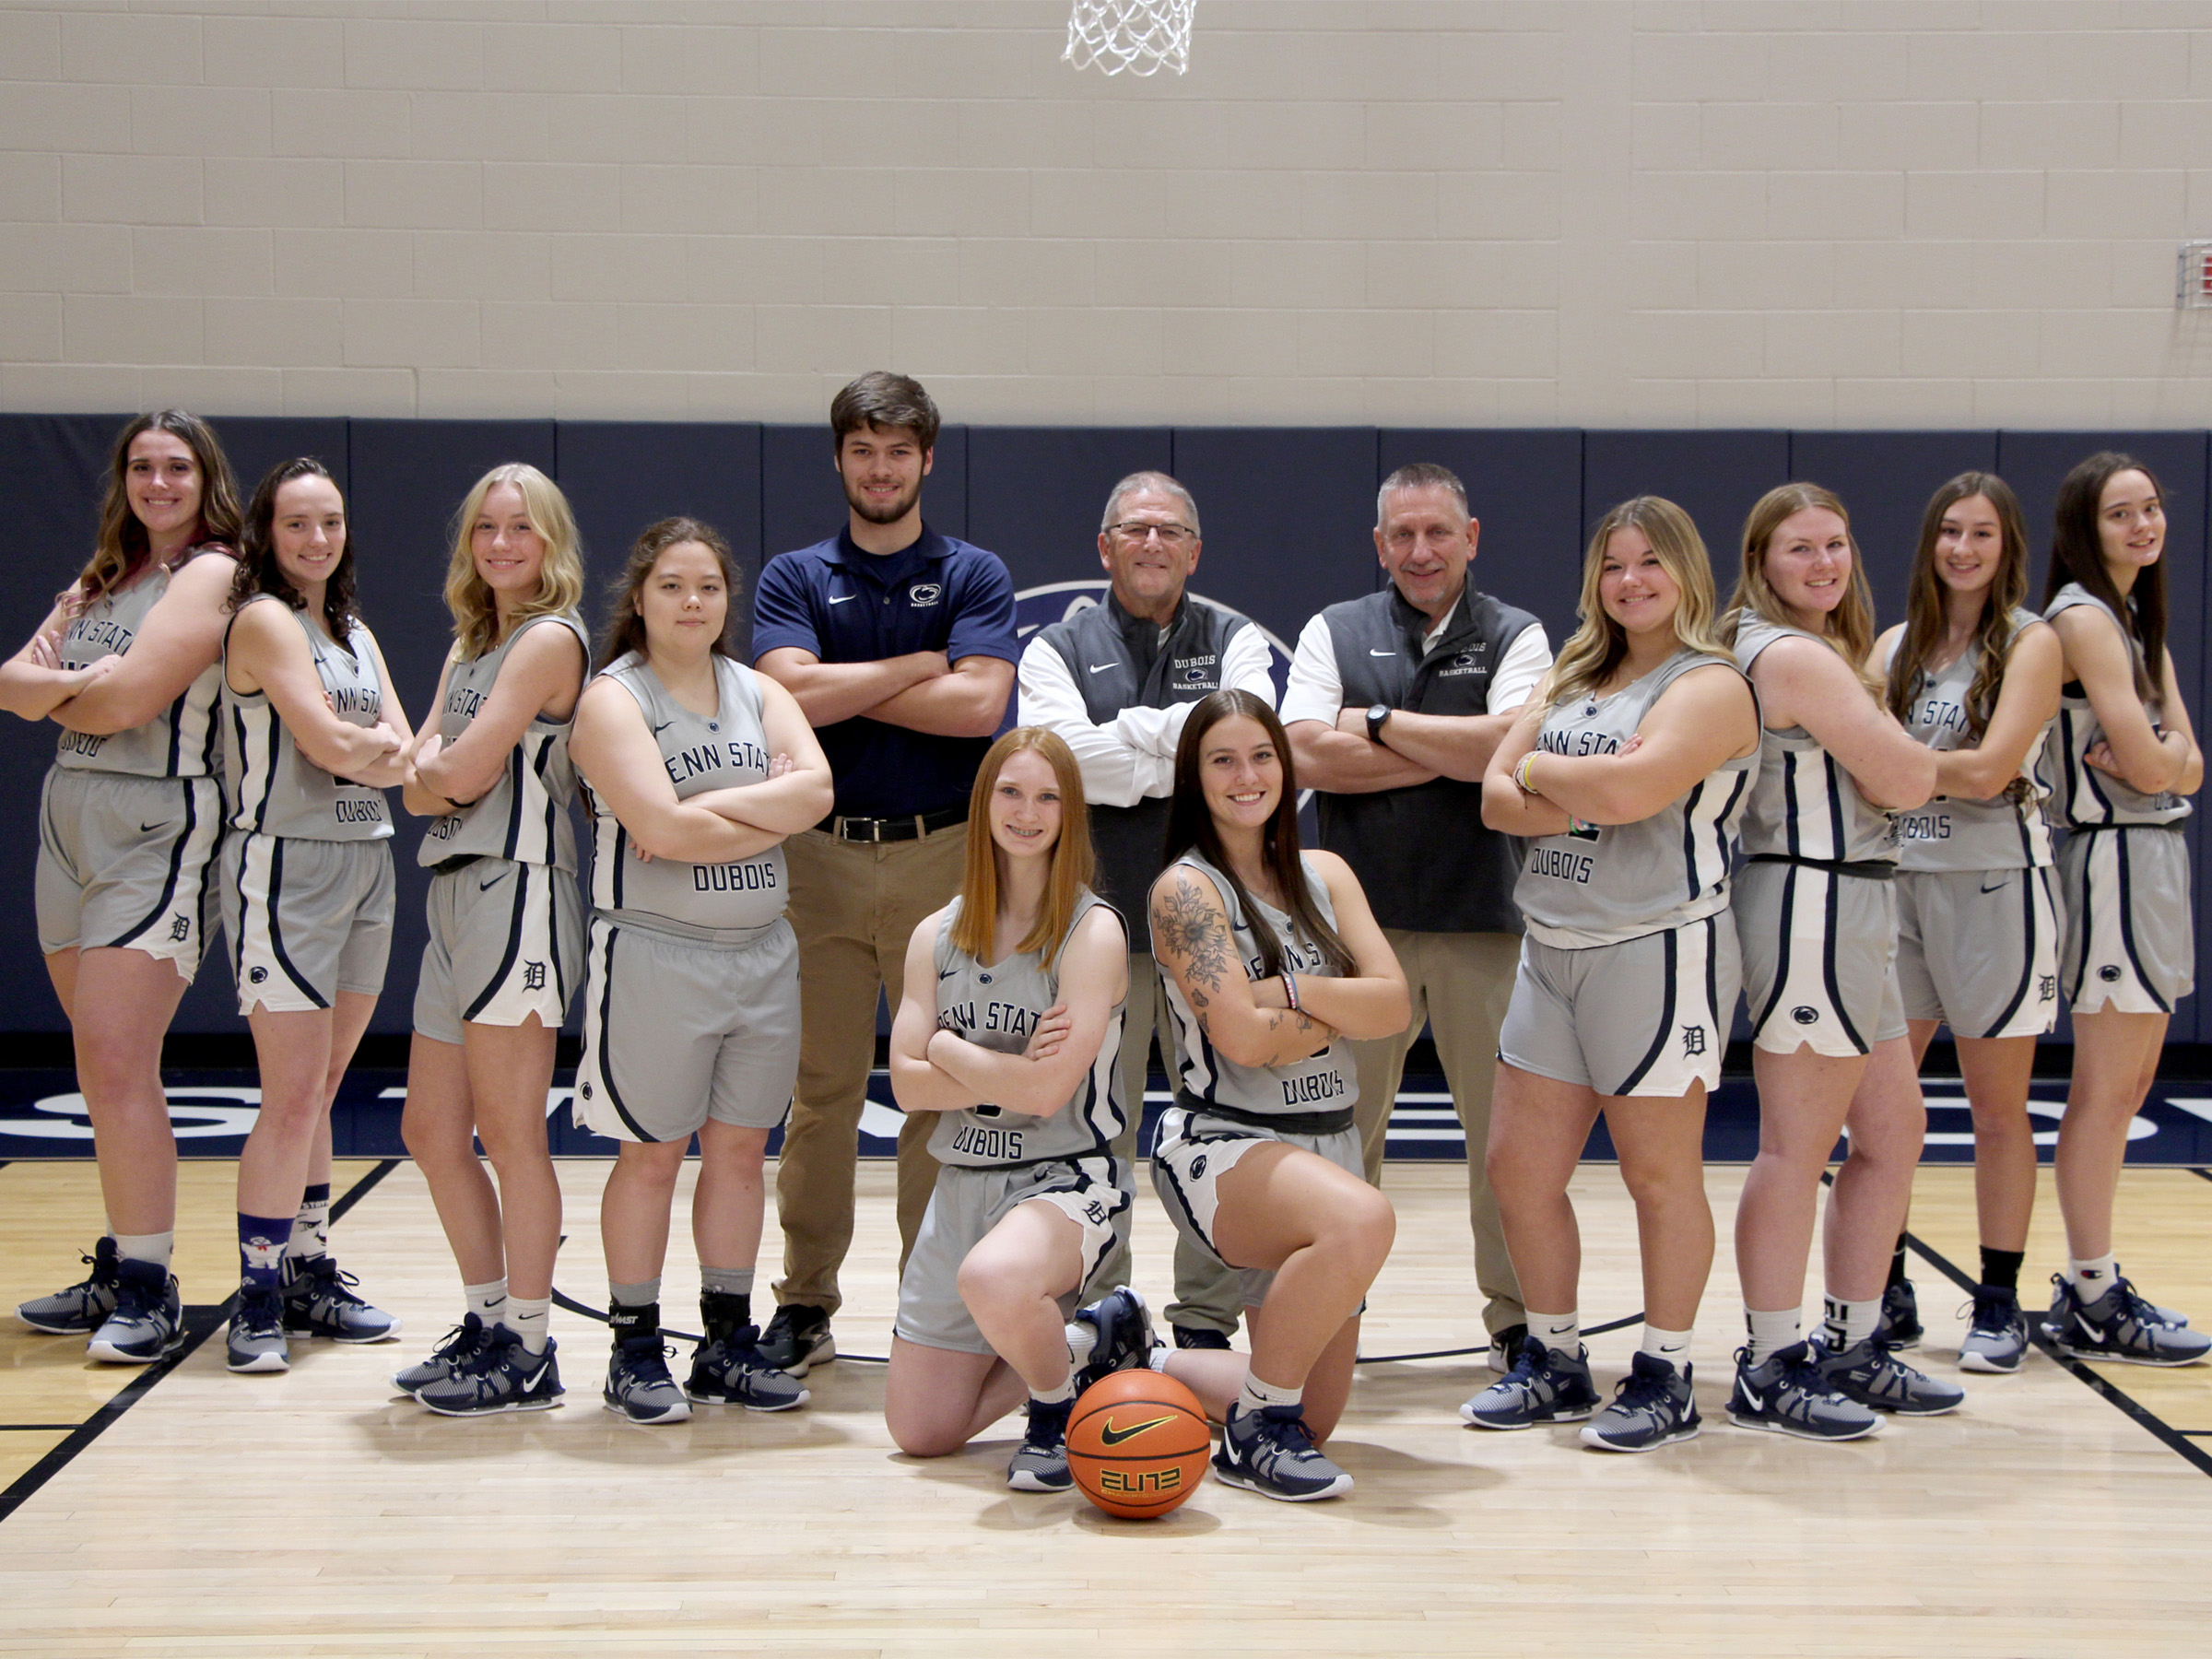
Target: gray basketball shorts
[967,1203]
[675,1032]
[1819,954]
[1645,1017]
[306,918]
[506,942]
[127,861]
[1978,949]
[1194,1151]
[2130,943]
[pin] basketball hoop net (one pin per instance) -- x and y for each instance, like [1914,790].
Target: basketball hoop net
[1137,35]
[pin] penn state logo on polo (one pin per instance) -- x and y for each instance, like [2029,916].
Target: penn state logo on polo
[1051,601]
[924,594]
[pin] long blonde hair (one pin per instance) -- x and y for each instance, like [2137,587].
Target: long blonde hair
[1588,658]
[1073,860]
[1849,629]
[560,577]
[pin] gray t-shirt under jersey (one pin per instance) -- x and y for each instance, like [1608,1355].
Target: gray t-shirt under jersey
[1804,804]
[270,787]
[2081,794]
[1611,882]
[1957,832]
[525,815]
[997,1008]
[179,742]
[700,752]
[1317,1083]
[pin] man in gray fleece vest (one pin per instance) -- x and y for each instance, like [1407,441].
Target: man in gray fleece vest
[1395,705]
[1118,681]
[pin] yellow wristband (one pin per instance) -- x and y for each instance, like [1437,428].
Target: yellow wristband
[1521,778]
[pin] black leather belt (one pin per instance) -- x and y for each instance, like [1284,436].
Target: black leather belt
[1865,869]
[892,828]
[459,861]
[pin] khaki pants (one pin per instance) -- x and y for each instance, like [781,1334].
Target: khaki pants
[855,906]
[1207,1295]
[1461,984]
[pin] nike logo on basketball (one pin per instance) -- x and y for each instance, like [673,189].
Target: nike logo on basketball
[844,598]
[1111,1436]
[1097,667]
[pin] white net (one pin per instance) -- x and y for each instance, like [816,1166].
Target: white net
[1141,36]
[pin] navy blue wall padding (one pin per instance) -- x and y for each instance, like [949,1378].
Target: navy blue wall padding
[1290,518]
[1885,480]
[1713,477]
[1288,514]
[621,475]
[1525,490]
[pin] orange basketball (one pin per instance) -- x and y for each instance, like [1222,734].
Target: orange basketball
[1137,1443]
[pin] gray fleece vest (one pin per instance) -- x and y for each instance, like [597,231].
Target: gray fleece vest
[1423,855]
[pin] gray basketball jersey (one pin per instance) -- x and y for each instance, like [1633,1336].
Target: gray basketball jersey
[1804,804]
[180,741]
[998,1007]
[2082,794]
[273,789]
[1955,832]
[700,753]
[1317,1083]
[525,815]
[1611,882]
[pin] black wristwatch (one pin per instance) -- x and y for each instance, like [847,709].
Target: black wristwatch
[1378,716]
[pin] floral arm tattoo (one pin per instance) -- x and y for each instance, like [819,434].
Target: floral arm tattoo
[1197,931]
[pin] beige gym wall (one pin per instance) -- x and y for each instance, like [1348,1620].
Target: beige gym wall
[1854,214]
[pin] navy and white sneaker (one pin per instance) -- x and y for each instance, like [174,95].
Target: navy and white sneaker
[2173,1318]
[1900,1323]
[798,1339]
[1654,1406]
[82,1308]
[638,1384]
[2119,1325]
[1200,1336]
[1124,1327]
[502,1376]
[1546,1385]
[1040,1463]
[460,1344]
[148,1321]
[1871,1374]
[731,1371]
[1996,1332]
[1271,1451]
[319,1301]
[1786,1393]
[255,1341]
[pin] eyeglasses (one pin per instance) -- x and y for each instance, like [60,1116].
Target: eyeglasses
[1171,536]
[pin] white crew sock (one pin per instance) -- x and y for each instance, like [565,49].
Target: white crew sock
[530,1318]
[1561,1331]
[487,1301]
[1670,1346]
[157,1248]
[1848,1323]
[1259,1395]
[1773,1331]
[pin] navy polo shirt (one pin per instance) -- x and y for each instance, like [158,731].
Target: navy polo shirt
[846,605]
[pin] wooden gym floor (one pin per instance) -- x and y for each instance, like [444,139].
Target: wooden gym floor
[312,1513]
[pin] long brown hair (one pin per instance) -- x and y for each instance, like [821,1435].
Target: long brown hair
[1073,860]
[1849,629]
[258,572]
[1588,658]
[624,630]
[559,578]
[2077,555]
[1191,826]
[120,549]
[1925,602]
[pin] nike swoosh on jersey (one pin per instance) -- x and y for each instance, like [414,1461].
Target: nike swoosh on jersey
[661,727]
[2003,883]
[1100,667]
[1111,1436]
[485,887]
[147,829]
[948,973]
[1372,652]
[841,598]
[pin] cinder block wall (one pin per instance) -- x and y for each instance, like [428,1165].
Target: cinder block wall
[1846,214]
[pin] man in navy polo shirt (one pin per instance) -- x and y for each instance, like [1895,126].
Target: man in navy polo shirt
[899,643]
